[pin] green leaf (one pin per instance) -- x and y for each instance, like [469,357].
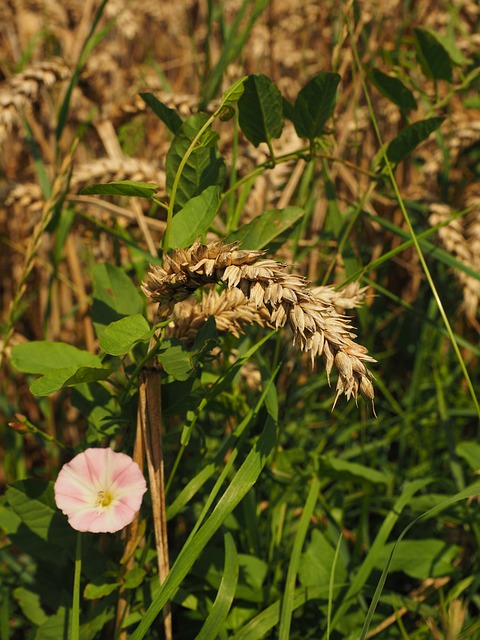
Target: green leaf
[94,591]
[233,94]
[195,218]
[470,452]
[393,89]
[376,548]
[240,485]
[205,166]
[450,46]
[43,356]
[314,104]
[54,627]
[355,471]
[288,603]
[122,188]
[260,110]
[226,592]
[317,562]
[134,578]
[120,336]
[29,603]
[41,530]
[175,359]
[422,559]
[433,57]
[410,137]
[68,377]
[261,231]
[168,116]
[114,296]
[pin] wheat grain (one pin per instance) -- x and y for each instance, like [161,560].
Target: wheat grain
[23,89]
[318,329]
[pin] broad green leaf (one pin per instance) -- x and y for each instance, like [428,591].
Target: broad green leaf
[175,359]
[168,116]
[470,452]
[99,404]
[314,104]
[422,559]
[393,89]
[195,218]
[29,603]
[134,578]
[410,137]
[433,57]
[43,356]
[204,167]
[241,484]
[226,592]
[450,46]
[317,562]
[260,110]
[94,591]
[42,531]
[55,380]
[114,296]
[353,470]
[55,625]
[261,231]
[122,188]
[120,336]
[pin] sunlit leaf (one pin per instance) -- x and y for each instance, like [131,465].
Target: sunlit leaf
[122,188]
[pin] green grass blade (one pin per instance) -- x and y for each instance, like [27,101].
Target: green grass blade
[368,564]
[226,592]
[243,481]
[289,595]
[469,492]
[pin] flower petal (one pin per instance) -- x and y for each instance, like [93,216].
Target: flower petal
[100,490]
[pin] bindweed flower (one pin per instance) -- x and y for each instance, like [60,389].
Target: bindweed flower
[100,490]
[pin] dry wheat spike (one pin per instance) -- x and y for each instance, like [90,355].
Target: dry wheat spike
[230,308]
[23,89]
[317,327]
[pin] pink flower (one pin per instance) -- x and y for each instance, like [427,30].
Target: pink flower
[100,490]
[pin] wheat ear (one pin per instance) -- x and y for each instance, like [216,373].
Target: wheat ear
[317,327]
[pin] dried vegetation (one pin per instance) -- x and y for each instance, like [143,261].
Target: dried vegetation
[120,139]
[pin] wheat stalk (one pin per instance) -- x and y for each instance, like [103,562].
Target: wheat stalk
[318,329]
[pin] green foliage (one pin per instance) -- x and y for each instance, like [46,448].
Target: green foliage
[122,188]
[120,336]
[195,218]
[262,231]
[314,104]
[432,55]
[285,519]
[260,113]
[408,139]
[168,116]
[394,89]
[204,167]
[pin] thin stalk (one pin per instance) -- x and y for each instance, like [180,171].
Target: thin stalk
[75,628]
[411,230]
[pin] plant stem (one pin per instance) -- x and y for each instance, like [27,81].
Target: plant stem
[75,629]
